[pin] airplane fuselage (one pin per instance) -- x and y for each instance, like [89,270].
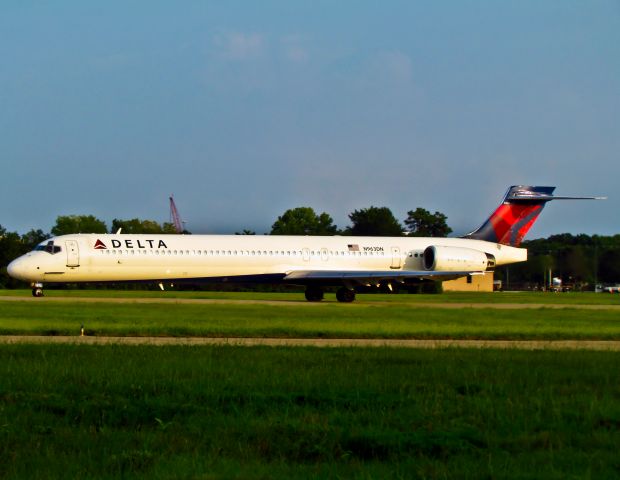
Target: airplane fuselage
[107,258]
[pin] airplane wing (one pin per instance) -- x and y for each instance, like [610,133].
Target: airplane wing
[374,276]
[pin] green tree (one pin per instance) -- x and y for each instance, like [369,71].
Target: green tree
[573,265]
[135,225]
[609,266]
[11,247]
[422,223]
[304,221]
[66,224]
[245,231]
[374,221]
[33,238]
[168,227]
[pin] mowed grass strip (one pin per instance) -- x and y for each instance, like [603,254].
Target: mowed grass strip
[222,412]
[572,298]
[303,321]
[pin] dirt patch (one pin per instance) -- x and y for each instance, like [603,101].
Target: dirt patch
[609,345]
[211,301]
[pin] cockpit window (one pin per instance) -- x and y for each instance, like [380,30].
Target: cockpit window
[48,247]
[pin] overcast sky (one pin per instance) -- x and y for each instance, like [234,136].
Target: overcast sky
[246,109]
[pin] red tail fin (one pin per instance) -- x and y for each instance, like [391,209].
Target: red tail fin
[520,208]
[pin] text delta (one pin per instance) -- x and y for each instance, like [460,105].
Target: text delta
[129,243]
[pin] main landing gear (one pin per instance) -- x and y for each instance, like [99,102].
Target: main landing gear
[345,295]
[315,294]
[37,289]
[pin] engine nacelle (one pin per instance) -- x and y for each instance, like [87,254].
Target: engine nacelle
[457,259]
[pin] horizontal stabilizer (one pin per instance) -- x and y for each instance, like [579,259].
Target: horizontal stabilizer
[539,194]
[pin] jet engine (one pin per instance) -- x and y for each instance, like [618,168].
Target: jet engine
[457,259]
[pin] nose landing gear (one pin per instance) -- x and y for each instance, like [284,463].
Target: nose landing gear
[37,289]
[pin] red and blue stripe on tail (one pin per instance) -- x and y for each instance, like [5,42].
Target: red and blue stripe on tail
[510,222]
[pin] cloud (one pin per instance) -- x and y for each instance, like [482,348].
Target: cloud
[293,50]
[375,72]
[394,67]
[239,45]
[115,61]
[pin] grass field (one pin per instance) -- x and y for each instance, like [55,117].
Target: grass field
[225,412]
[584,298]
[370,318]
[78,411]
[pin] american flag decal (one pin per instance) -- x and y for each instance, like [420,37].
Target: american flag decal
[353,248]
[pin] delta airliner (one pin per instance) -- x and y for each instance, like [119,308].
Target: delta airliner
[310,261]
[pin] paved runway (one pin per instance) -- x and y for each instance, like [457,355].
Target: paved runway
[208,301]
[609,345]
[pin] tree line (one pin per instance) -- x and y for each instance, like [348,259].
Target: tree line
[579,260]
[372,221]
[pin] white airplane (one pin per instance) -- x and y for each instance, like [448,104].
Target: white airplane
[314,262]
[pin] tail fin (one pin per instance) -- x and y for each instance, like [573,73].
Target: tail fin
[520,208]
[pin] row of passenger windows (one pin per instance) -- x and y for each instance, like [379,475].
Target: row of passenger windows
[282,253]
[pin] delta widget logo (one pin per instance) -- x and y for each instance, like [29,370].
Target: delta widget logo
[131,244]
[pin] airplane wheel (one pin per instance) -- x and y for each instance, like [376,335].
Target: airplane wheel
[345,295]
[37,292]
[314,294]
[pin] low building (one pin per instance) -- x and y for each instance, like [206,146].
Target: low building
[471,283]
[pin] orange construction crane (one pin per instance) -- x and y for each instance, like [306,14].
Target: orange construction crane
[175,218]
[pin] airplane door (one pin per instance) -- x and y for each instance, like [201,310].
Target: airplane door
[73,253]
[395,258]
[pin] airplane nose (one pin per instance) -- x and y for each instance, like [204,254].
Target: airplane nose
[17,269]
